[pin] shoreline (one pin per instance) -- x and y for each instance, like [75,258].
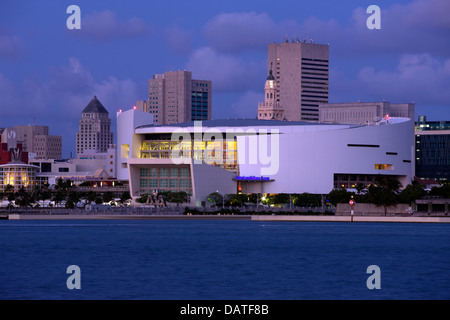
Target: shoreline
[266,218]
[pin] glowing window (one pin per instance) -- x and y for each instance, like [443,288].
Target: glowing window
[384,166]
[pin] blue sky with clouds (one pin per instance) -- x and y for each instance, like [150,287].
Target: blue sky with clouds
[48,73]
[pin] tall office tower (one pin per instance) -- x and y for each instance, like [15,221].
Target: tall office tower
[174,97]
[94,129]
[270,109]
[301,73]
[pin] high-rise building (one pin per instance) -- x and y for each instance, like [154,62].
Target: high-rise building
[94,129]
[432,149]
[301,73]
[175,97]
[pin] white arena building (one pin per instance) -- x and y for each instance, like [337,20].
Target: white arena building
[259,156]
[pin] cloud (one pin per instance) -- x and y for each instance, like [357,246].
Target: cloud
[416,27]
[239,31]
[104,26]
[417,77]
[227,72]
[58,101]
[11,47]
[179,39]
[246,106]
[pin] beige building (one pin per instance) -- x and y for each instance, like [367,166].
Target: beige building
[141,105]
[363,113]
[301,73]
[175,97]
[35,140]
[94,129]
[48,147]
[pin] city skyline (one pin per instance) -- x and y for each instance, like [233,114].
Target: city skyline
[48,73]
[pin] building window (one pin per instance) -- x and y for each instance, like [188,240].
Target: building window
[163,172]
[174,172]
[163,183]
[184,183]
[174,183]
[153,183]
[384,166]
[184,172]
[153,172]
[143,183]
[143,172]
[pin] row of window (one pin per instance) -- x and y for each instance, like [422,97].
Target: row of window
[164,172]
[164,183]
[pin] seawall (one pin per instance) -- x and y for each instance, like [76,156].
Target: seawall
[355,219]
[287,218]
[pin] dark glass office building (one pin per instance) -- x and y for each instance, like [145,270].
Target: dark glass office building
[432,149]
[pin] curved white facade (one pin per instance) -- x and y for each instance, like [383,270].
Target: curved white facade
[260,156]
[311,156]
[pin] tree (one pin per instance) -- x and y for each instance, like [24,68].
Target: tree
[9,188]
[442,191]
[125,196]
[307,200]
[384,192]
[339,196]
[142,199]
[279,199]
[70,204]
[108,196]
[411,193]
[98,200]
[90,197]
[73,197]
[215,198]
[359,187]
[236,200]
[254,198]
[175,197]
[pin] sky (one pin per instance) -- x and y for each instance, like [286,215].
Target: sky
[49,73]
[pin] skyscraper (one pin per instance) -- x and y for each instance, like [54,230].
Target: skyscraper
[174,97]
[301,73]
[94,129]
